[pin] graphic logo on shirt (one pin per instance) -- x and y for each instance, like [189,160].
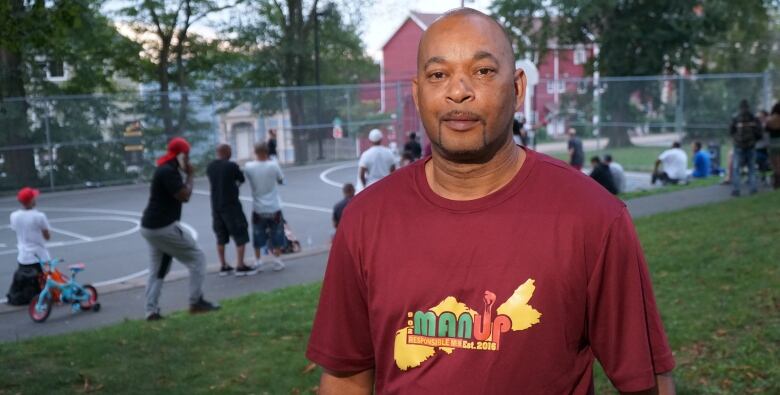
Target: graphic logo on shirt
[452,325]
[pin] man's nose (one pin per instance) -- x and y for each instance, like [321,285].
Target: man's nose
[460,90]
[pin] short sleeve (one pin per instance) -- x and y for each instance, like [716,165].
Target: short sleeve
[340,338]
[363,159]
[44,222]
[664,155]
[624,327]
[171,180]
[279,174]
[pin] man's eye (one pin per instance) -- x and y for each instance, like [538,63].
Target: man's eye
[437,75]
[483,71]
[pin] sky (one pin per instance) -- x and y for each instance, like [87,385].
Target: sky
[385,16]
[380,19]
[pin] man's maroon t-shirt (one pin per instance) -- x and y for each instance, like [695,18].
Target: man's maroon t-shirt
[515,292]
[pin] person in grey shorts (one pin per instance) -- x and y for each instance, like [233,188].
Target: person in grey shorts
[166,237]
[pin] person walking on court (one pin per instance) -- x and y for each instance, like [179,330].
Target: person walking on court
[227,215]
[32,231]
[745,132]
[166,237]
[576,152]
[413,146]
[601,173]
[489,268]
[272,145]
[376,162]
[263,176]
[618,174]
[349,192]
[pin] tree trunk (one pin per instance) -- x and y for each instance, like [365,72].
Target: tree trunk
[165,99]
[19,163]
[617,102]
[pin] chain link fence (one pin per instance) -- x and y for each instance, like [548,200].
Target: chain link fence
[64,142]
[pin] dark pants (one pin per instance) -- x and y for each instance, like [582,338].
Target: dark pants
[25,285]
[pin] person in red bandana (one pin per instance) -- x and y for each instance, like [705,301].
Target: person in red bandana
[167,239]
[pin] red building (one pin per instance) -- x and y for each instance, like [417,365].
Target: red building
[558,71]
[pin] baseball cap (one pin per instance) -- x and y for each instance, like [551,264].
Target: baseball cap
[27,194]
[375,135]
[177,145]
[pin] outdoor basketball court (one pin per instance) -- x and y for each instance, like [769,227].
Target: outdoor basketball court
[100,227]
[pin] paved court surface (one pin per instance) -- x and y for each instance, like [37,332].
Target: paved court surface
[100,226]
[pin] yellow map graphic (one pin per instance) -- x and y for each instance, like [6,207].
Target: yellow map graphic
[523,316]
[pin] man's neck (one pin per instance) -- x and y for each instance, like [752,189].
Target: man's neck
[458,181]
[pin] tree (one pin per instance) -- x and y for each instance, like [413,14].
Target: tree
[164,29]
[654,37]
[32,34]
[278,40]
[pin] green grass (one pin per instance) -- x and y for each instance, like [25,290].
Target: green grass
[716,279]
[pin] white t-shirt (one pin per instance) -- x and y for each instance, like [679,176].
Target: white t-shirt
[263,177]
[618,176]
[29,226]
[377,161]
[675,163]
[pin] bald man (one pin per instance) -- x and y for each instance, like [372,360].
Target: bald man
[488,268]
[228,219]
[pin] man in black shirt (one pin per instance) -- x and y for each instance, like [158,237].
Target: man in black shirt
[602,175]
[167,239]
[413,147]
[338,209]
[576,153]
[272,144]
[227,215]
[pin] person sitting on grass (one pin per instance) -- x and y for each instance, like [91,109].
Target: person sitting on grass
[602,175]
[675,164]
[701,161]
[618,174]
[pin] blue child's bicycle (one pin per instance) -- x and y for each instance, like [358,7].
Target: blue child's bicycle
[58,288]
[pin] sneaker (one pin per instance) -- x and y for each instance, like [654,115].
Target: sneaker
[225,270]
[276,265]
[245,271]
[203,306]
[154,317]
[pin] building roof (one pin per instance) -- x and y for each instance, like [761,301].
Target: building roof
[421,19]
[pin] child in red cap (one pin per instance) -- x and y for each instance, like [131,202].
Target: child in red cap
[32,232]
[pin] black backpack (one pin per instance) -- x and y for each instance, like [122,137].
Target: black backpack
[746,130]
[24,286]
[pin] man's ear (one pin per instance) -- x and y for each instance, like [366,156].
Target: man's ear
[414,94]
[520,84]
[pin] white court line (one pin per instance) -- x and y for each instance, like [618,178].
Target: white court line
[71,234]
[324,174]
[285,204]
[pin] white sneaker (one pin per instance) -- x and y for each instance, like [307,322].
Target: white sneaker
[278,265]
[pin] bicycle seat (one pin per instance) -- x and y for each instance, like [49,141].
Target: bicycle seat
[77,267]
